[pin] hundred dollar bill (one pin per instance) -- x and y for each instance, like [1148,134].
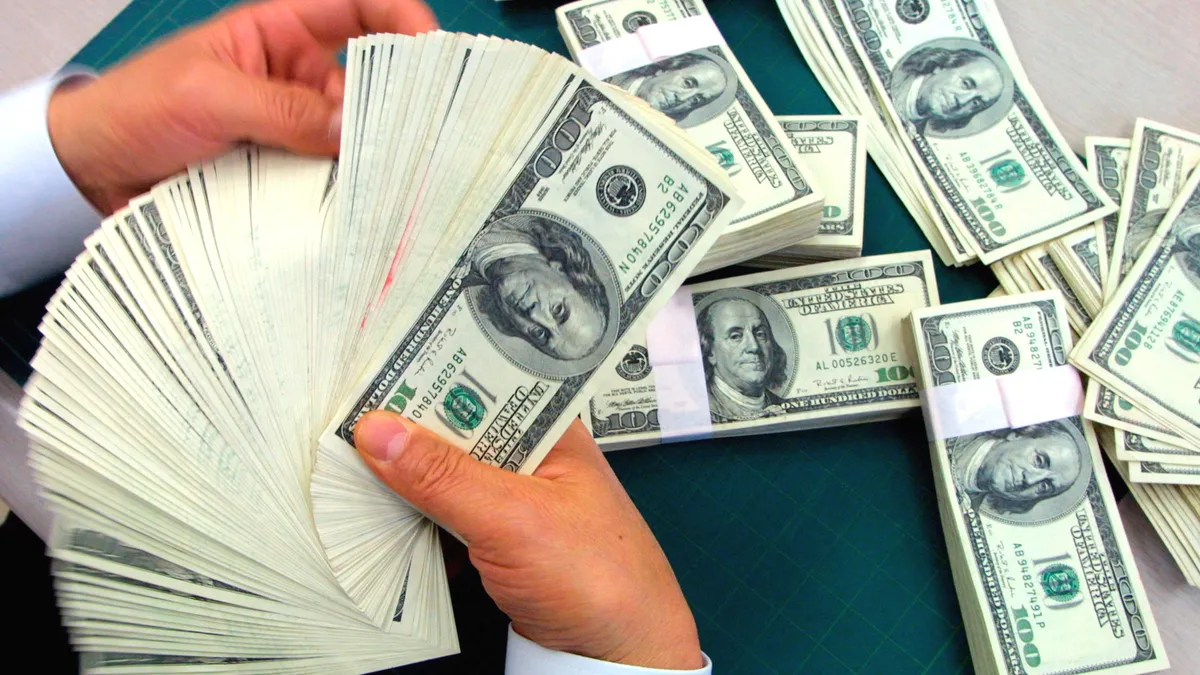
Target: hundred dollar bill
[1164,472]
[1107,159]
[1161,160]
[834,149]
[709,95]
[975,128]
[1131,447]
[797,348]
[504,355]
[1166,507]
[1145,344]
[1041,563]
[1104,406]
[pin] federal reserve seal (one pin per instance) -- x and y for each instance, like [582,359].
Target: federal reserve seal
[854,333]
[464,409]
[635,365]
[912,11]
[621,190]
[1000,356]
[635,20]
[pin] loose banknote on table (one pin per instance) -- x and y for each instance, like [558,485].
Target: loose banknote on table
[1108,160]
[1043,571]
[1160,160]
[1145,344]
[500,225]
[834,147]
[1155,169]
[798,348]
[957,127]
[670,54]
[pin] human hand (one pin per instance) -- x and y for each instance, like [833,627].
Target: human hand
[563,552]
[264,72]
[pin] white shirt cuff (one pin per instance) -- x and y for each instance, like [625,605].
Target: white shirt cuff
[529,658]
[44,219]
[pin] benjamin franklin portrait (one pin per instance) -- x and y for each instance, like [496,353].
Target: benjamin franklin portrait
[535,280]
[947,88]
[743,360]
[1186,247]
[1010,472]
[690,88]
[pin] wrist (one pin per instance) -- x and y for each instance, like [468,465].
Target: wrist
[668,640]
[75,140]
[651,631]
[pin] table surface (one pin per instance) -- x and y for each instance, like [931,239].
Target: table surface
[813,552]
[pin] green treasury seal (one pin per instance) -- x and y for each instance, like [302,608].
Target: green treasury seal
[463,407]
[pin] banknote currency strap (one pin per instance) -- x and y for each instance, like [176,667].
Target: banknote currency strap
[1006,402]
[678,364]
[648,44]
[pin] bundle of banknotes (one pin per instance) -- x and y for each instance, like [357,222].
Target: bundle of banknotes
[799,348]
[952,121]
[1043,570]
[488,246]
[672,56]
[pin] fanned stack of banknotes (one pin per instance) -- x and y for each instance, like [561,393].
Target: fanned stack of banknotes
[489,245]
[503,246]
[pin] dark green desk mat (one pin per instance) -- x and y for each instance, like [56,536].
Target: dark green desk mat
[811,552]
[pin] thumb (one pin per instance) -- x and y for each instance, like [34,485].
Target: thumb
[279,114]
[444,482]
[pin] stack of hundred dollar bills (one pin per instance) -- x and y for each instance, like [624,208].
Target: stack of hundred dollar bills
[1043,570]
[952,121]
[671,55]
[502,225]
[799,348]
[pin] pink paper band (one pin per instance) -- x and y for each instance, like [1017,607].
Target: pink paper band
[674,346]
[1006,402]
[648,44]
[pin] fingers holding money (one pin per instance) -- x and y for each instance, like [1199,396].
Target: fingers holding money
[459,492]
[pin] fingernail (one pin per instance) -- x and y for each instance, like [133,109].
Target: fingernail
[335,126]
[381,435]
